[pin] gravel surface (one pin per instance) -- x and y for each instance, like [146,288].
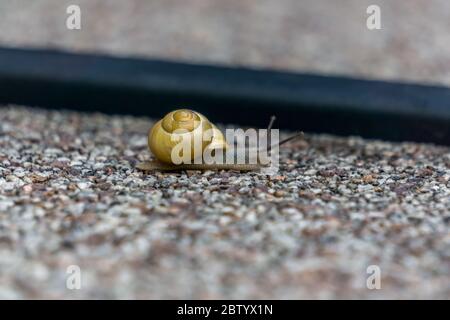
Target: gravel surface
[69,195]
[309,35]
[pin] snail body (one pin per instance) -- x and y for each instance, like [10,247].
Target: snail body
[185,134]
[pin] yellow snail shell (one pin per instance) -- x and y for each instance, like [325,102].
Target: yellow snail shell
[162,137]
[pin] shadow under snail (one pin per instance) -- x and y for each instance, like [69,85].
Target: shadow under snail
[191,127]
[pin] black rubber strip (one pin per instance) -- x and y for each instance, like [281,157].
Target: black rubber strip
[312,103]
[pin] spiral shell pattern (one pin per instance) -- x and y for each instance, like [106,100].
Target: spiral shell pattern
[178,126]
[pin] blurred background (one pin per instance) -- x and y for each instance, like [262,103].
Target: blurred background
[304,35]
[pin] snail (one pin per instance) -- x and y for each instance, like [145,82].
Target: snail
[181,139]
